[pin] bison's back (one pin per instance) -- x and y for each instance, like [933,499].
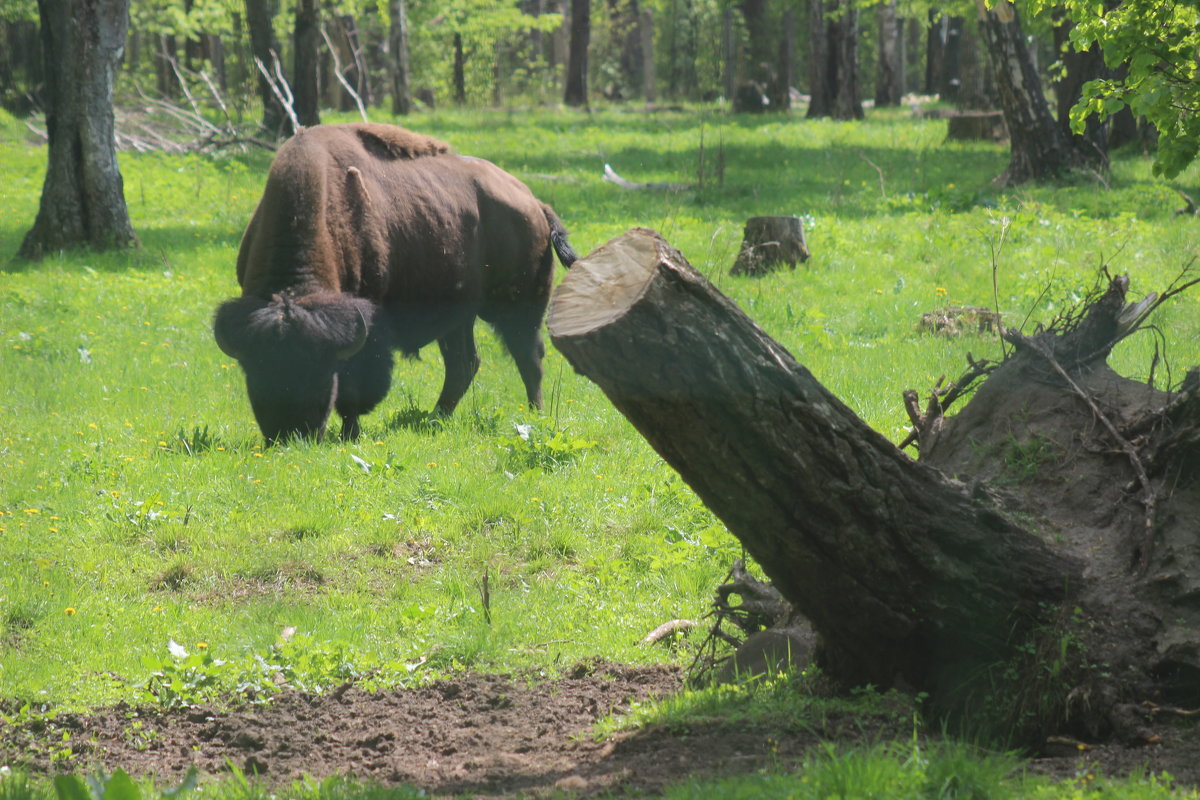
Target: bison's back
[393,216]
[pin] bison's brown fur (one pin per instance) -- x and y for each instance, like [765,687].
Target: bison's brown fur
[370,238]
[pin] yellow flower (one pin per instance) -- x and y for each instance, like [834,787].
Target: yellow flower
[201,645]
[69,611]
[940,292]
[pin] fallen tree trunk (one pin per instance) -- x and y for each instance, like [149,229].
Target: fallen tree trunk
[909,578]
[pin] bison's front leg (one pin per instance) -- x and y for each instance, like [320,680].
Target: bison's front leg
[462,362]
[363,381]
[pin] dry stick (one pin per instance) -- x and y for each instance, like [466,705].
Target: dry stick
[220,100]
[337,72]
[286,103]
[187,92]
[1149,497]
[882,186]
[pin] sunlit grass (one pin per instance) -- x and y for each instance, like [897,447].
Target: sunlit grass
[137,505]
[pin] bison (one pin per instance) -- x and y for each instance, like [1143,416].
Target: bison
[371,238]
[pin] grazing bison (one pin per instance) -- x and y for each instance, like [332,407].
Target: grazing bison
[371,238]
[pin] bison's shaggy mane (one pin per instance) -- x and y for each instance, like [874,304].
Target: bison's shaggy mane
[324,320]
[391,142]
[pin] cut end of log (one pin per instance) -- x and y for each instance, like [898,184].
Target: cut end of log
[602,286]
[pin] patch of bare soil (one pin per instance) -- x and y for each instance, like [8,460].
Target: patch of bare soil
[493,736]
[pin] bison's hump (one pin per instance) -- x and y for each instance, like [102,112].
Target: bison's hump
[391,142]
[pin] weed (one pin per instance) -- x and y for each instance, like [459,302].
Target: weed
[532,448]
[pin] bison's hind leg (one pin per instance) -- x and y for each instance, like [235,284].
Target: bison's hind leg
[520,329]
[462,362]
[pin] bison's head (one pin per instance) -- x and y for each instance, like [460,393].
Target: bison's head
[289,348]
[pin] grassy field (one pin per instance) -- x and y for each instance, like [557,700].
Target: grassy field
[138,507]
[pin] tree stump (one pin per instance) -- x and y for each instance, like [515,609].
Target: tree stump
[768,242]
[905,574]
[985,126]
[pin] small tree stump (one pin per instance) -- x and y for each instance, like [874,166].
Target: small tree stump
[768,242]
[987,126]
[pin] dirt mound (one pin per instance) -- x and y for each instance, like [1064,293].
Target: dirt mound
[488,735]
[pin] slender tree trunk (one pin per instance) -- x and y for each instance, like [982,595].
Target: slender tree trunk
[576,91]
[1078,69]
[977,89]
[905,574]
[649,78]
[760,56]
[265,47]
[935,50]
[1039,149]
[21,57]
[307,62]
[83,196]
[833,65]
[729,70]
[781,92]
[402,101]
[165,61]
[889,79]
[460,71]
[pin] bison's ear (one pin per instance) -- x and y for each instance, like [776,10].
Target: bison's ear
[231,322]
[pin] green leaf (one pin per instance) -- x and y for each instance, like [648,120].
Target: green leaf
[71,787]
[121,787]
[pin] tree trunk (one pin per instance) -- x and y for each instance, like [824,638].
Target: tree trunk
[402,101]
[1078,69]
[833,66]
[83,196]
[307,62]
[20,66]
[576,91]
[1039,150]
[977,86]
[166,79]
[460,72]
[729,71]
[910,578]
[906,575]
[265,47]
[889,79]
[649,78]
[781,91]
[760,57]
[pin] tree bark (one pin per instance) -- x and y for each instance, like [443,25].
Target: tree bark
[760,59]
[459,79]
[576,91]
[646,32]
[889,79]
[265,47]
[908,577]
[768,242]
[307,62]
[781,91]
[833,65]
[1039,149]
[402,101]
[83,196]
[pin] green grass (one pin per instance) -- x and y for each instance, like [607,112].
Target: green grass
[137,506]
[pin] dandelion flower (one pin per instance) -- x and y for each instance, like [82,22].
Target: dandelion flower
[201,645]
[69,611]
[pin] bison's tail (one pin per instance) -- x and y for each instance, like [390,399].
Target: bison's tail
[558,238]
